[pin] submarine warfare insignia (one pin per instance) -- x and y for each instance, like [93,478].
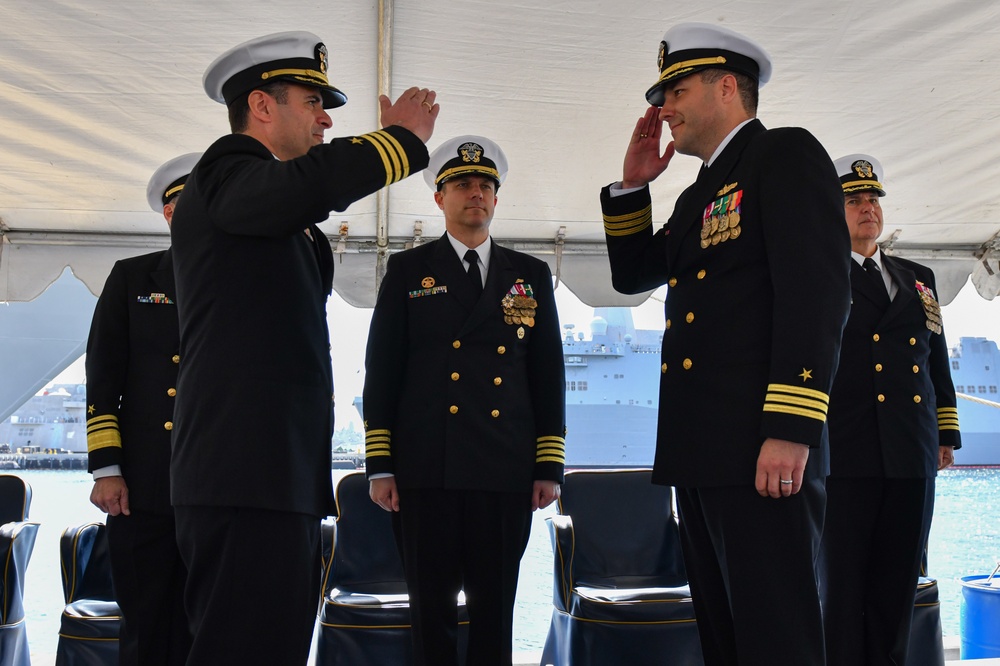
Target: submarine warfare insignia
[519,306]
[721,219]
[932,309]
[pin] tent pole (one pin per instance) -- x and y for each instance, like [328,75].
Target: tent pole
[385,15]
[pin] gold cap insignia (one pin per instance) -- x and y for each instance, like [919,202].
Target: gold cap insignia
[470,152]
[863,168]
[322,57]
[660,56]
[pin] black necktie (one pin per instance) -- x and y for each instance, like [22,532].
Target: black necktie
[872,269]
[475,277]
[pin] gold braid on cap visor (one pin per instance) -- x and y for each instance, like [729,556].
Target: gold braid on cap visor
[310,75]
[862,185]
[455,171]
[172,191]
[689,64]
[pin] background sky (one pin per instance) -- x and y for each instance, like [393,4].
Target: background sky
[969,315]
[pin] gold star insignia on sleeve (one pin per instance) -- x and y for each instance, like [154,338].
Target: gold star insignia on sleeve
[91,410]
[355,139]
[806,374]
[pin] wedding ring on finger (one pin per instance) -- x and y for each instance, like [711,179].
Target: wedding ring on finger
[785,482]
[429,107]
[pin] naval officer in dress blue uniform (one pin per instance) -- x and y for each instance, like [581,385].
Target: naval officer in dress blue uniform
[250,471]
[893,425]
[755,255]
[132,360]
[464,410]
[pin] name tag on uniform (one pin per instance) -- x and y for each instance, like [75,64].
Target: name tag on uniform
[155,299]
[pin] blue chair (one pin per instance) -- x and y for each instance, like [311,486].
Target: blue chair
[17,540]
[621,594]
[365,615]
[15,499]
[926,647]
[91,620]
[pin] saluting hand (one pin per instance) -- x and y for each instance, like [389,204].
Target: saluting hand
[643,162]
[110,495]
[415,110]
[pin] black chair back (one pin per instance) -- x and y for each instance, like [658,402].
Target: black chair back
[15,499]
[86,564]
[365,557]
[612,511]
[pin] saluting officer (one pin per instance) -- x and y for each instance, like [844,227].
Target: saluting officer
[250,472]
[893,424]
[132,361]
[464,409]
[755,257]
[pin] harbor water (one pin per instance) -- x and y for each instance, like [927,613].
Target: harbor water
[965,541]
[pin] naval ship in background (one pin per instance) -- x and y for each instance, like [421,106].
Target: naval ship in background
[612,384]
[975,371]
[612,387]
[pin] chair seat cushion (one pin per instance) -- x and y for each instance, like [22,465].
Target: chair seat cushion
[636,604]
[90,619]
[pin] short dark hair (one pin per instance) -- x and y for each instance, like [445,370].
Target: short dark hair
[747,86]
[239,110]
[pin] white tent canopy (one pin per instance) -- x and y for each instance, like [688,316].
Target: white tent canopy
[95,94]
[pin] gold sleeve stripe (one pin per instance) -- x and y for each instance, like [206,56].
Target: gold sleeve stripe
[551,439]
[386,163]
[626,225]
[948,427]
[396,163]
[103,432]
[947,410]
[102,439]
[773,398]
[542,459]
[102,421]
[554,450]
[378,432]
[377,450]
[795,411]
[399,160]
[648,210]
[799,390]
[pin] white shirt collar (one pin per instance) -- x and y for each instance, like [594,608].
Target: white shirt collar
[484,250]
[725,142]
[877,258]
